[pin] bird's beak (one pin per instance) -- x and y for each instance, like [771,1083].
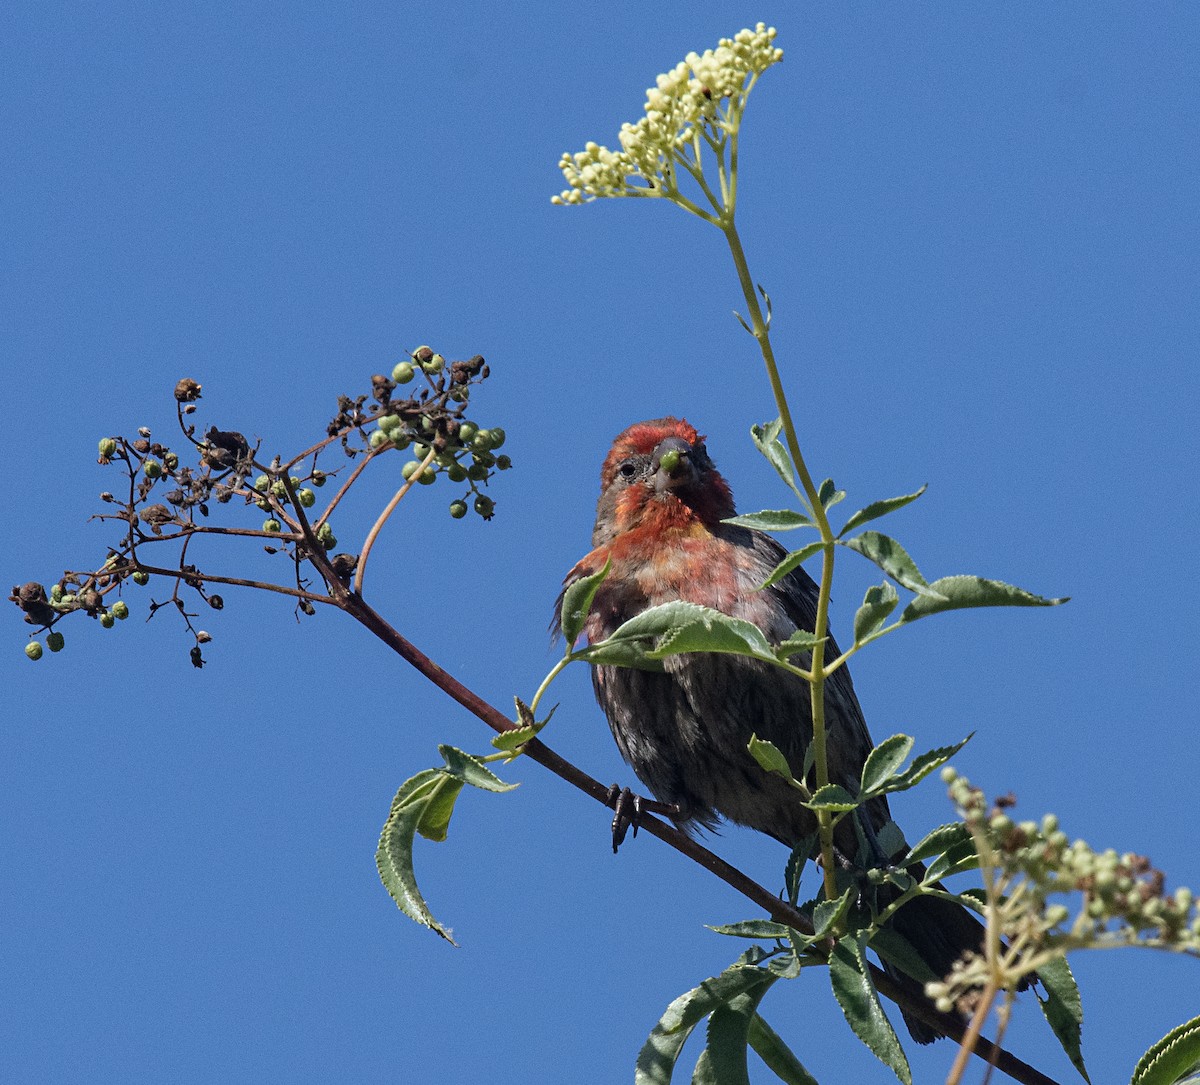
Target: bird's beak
[673,466]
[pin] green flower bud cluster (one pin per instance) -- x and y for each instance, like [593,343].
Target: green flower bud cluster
[1051,894]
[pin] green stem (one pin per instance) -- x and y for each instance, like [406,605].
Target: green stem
[758,327]
[555,671]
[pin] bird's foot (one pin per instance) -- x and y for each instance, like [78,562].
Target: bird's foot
[628,810]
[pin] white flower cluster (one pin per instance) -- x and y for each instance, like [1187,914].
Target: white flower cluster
[688,95]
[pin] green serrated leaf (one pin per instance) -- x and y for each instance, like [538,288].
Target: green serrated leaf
[828,913]
[416,788]
[769,757]
[1174,1057]
[729,1040]
[471,770]
[883,761]
[962,592]
[577,602]
[777,1055]
[832,797]
[890,838]
[438,807]
[899,951]
[938,841]
[656,1061]
[800,641]
[1063,1010]
[753,928]
[892,558]
[877,509]
[829,495]
[514,737]
[922,766]
[794,870]
[771,520]
[766,440]
[793,561]
[394,860]
[856,994]
[877,604]
[675,628]
[954,860]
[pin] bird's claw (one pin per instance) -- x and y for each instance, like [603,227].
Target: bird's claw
[627,809]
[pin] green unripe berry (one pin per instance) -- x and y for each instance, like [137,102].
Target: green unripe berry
[378,439]
[306,498]
[55,641]
[318,478]
[68,599]
[485,506]
[389,423]
[294,481]
[410,469]
[482,441]
[119,610]
[263,504]
[141,577]
[152,468]
[107,620]
[420,450]
[477,472]
[272,525]
[456,472]
[498,436]
[467,430]
[326,537]
[279,489]
[262,484]
[401,439]
[107,446]
[444,459]
[56,593]
[403,373]
[434,365]
[458,509]
[503,463]
[34,650]
[484,459]
[427,477]
[669,460]
[171,460]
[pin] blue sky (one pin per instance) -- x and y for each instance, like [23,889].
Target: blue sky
[978,225]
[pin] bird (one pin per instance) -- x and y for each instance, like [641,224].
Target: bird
[661,529]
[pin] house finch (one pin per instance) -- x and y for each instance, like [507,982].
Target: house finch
[685,730]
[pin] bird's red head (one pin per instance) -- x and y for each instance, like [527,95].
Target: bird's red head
[658,476]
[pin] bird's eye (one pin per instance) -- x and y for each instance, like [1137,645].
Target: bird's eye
[627,469]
